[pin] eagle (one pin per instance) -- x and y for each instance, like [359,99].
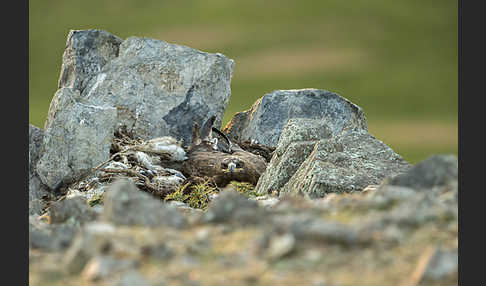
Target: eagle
[221,161]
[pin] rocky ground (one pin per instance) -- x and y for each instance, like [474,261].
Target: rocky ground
[109,204]
[404,232]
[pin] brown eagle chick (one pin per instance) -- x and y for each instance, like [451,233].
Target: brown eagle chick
[205,160]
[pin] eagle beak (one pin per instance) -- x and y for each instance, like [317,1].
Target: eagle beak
[231,167]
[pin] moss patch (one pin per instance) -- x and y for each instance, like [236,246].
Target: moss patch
[244,188]
[194,195]
[96,200]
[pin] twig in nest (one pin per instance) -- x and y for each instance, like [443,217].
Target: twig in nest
[123,152]
[105,162]
[153,188]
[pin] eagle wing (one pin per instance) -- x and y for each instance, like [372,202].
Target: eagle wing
[206,130]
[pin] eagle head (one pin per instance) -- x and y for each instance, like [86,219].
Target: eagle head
[232,165]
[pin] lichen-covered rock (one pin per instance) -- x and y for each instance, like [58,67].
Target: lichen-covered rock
[37,190]
[36,136]
[161,89]
[153,87]
[283,167]
[296,143]
[50,237]
[268,115]
[86,52]
[76,208]
[125,204]
[348,162]
[77,137]
[437,170]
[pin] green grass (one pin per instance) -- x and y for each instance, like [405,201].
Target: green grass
[395,59]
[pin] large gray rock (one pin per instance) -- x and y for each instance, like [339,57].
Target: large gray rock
[436,170]
[345,163]
[125,204]
[36,189]
[86,52]
[77,137]
[153,87]
[268,115]
[161,89]
[295,144]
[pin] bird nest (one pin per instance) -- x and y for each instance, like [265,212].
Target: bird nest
[168,170]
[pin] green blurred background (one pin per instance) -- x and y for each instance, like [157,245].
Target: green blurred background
[397,59]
